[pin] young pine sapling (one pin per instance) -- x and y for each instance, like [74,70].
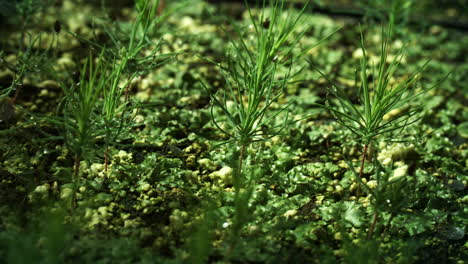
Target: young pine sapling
[372,117]
[253,84]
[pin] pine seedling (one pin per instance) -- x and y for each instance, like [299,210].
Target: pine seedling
[139,31]
[128,40]
[77,118]
[122,59]
[251,78]
[129,62]
[253,85]
[94,108]
[371,117]
[7,106]
[28,61]
[5,91]
[148,22]
[384,108]
[114,110]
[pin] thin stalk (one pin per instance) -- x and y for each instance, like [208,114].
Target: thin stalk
[76,170]
[372,227]
[161,7]
[127,91]
[106,150]
[361,172]
[361,169]
[13,100]
[106,158]
[238,187]
[239,213]
[370,152]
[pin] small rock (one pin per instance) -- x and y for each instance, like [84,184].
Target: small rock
[290,213]
[225,173]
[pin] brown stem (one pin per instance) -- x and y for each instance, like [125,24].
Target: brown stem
[127,91]
[372,227]
[13,100]
[106,158]
[370,152]
[161,7]
[361,170]
[76,171]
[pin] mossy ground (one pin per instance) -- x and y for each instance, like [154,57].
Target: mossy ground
[166,174]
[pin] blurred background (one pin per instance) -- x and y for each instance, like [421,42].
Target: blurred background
[449,13]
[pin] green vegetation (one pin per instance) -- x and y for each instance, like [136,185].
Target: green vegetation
[158,131]
[384,110]
[253,85]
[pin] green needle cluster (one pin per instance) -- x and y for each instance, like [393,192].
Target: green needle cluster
[253,85]
[373,116]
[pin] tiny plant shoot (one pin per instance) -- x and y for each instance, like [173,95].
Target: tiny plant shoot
[94,108]
[98,106]
[253,85]
[79,122]
[371,118]
[114,108]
